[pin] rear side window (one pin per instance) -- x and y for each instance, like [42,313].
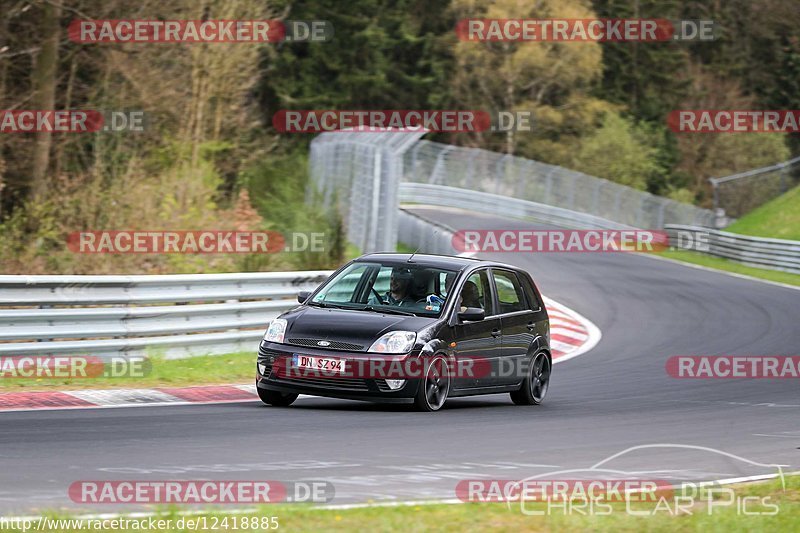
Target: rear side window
[530,292]
[510,296]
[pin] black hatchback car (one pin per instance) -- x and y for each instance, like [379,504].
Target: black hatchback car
[411,328]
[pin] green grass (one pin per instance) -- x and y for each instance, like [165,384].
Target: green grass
[499,517]
[210,369]
[720,263]
[779,218]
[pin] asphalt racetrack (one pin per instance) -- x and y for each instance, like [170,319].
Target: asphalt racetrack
[615,397]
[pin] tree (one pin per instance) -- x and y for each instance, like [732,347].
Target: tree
[547,78]
[619,152]
[648,77]
[44,81]
[383,55]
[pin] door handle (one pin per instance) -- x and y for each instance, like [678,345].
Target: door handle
[496,332]
[531,326]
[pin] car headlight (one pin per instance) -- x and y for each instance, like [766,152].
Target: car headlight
[276,331]
[394,342]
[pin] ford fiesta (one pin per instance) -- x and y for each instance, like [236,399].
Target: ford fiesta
[411,328]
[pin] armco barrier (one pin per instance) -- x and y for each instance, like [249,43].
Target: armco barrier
[761,252]
[426,236]
[176,315]
[494,204]
[365,173]
[430,237]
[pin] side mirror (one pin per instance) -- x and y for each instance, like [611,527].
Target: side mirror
[302,296]
[472,314]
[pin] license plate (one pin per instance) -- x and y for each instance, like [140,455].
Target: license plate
[311,362]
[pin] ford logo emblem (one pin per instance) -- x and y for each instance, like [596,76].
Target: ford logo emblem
[323,343]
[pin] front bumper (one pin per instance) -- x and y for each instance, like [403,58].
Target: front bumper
[275,357]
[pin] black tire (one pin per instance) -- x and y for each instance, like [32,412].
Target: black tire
[434,386]
[534,386]
[275,398]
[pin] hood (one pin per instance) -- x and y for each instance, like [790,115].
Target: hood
[343,325]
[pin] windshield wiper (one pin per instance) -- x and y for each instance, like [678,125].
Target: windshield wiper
[328,305]
[390,311]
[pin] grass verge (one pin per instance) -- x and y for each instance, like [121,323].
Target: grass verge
[778,219]
[724,515]
[720,263]
[202,370]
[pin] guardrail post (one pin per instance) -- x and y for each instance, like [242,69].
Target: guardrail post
[548,186]
[571,204]
[714,193]
[660,220]
[498,174]
[618,200]
[596,197]
[51,323]
[783,177]
[470,170]
[414,157]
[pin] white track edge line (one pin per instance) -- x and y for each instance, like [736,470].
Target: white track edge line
[732,274]
[346,506]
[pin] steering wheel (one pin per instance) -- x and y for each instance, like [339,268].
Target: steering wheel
[422,300]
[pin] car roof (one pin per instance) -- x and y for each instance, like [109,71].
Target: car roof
[447,262]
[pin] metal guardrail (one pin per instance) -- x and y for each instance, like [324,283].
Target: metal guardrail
[50,314]
[494,204]
[760,252]
[425,235]
[430,237]
[526,179]
[364,175]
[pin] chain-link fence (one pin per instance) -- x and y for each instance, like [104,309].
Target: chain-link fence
[360,173]
[740,193]
[525,179]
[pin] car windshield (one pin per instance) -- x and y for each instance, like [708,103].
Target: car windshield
[390,288]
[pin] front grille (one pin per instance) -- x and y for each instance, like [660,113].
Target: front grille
[382,386]
[267,370]
[267,359]
[328,383]
[334,345]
